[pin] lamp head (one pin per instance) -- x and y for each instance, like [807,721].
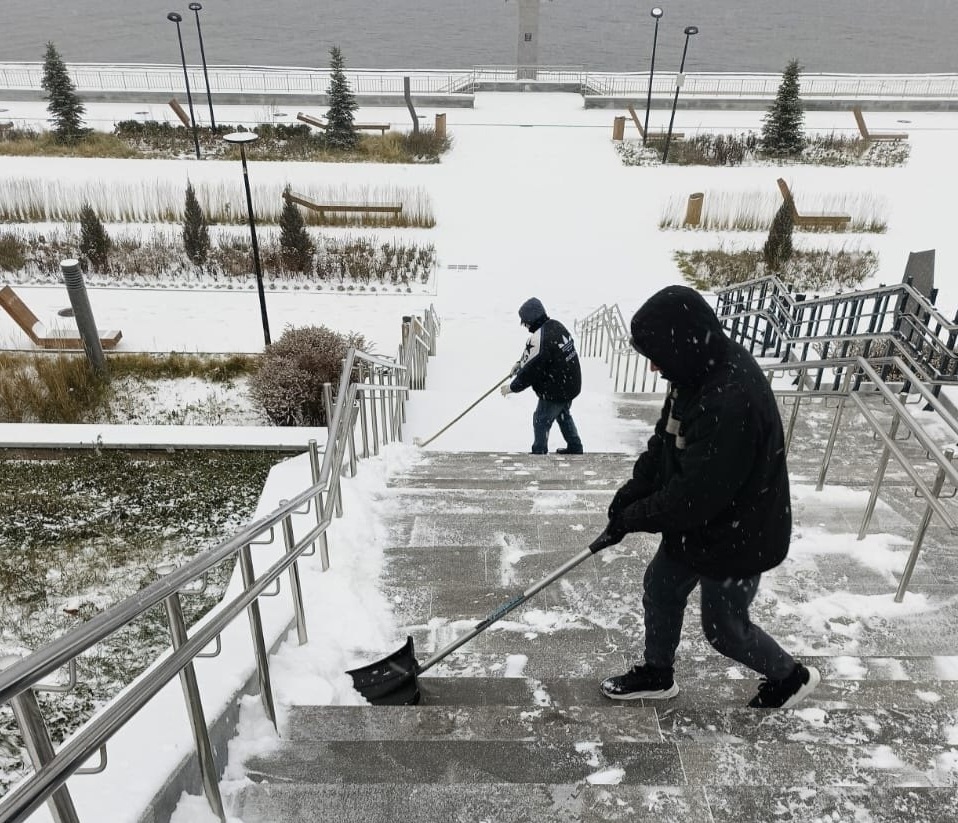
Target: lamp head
[196,6]
[690,30]
[656,12]
[176,18]
[241,137]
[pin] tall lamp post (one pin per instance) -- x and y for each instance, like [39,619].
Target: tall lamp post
[196,8]
[241,138]
[657,14]
[679,80]
[178,18]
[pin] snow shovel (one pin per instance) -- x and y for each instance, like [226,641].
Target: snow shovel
[394,680]
[420,442]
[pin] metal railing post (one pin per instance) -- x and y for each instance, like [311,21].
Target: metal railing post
[384,416]
[328,404]
[920,536]
[879,476]
[256,631]
[363,424]
[194,707]
[351,438]
[836,422]
[320,510]
[295,587]
[374,420]
[36,738]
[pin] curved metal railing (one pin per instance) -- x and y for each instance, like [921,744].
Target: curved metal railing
[604,333]
[373,390]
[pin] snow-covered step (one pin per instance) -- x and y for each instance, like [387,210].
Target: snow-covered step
[695,695]
[416,761]
[626,722]
[472,803]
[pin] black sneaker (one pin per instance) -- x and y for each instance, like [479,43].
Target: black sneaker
[568,450]
[641,683]
[782,694]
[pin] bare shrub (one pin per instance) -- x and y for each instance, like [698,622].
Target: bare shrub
[289,382]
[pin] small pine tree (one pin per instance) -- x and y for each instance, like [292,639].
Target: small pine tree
[340,130]
[95,243]
[782,132]
[196,233]
[778,247]
[64,105]
[295,246]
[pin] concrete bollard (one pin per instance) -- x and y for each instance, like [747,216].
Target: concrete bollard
[618,128]
[693,212]
[86,325]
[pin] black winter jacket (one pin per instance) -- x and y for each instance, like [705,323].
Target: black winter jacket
[549,363]
[713,479]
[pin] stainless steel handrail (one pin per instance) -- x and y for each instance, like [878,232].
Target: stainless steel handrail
[18,681]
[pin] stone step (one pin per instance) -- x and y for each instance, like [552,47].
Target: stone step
[411,762]
[585,803]
[617,722]
[491,471]
[707,693]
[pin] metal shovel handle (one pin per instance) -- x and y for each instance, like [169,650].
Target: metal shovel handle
[466,411]
[508,606]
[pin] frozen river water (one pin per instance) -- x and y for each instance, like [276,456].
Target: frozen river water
[857,36]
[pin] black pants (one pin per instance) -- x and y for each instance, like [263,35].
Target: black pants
[725,620]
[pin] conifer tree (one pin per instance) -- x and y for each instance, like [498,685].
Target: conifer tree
[63,103]
[95,243]
[340,130]
[778,247]
[782,132]
[196,233]
[295,246]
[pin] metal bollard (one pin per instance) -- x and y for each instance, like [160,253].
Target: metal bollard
[83,314]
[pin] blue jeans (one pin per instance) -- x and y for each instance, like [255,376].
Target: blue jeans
[548,412]
[725,620]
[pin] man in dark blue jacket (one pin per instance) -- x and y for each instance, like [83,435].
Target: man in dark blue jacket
[714,483]
[550,365]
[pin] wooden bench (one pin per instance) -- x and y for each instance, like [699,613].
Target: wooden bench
[869,136]
[49,338]
[676,135]
[834,221]
[382,128]
[322,208]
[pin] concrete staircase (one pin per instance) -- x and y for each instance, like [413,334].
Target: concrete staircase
[513,728]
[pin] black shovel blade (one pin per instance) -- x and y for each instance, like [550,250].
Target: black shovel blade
[392,681]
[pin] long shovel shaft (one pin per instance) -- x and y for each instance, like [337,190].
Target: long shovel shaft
[466,411]
[507,607]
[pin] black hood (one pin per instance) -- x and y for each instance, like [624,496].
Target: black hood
[678,331]
[532,312]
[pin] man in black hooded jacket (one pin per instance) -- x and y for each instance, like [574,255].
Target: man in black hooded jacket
[714,483]
[550,365]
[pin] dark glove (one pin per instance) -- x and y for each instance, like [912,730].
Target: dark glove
[624,497]
[612,534]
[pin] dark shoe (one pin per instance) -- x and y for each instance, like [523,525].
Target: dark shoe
[641,683]
[569,451]
[782,694]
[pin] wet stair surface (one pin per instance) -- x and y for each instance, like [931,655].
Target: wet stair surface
[512,726]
